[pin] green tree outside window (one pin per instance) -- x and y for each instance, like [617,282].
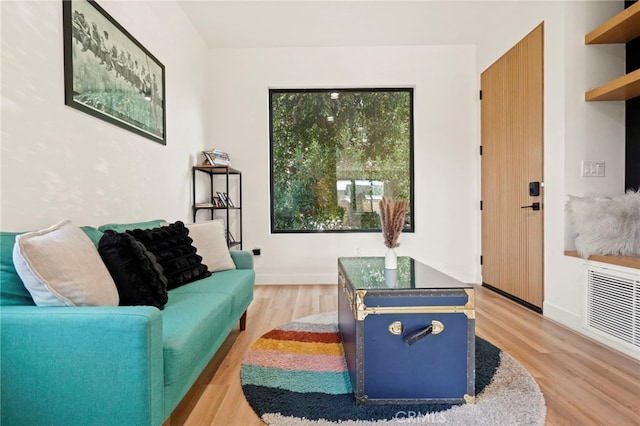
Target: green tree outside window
[335,153]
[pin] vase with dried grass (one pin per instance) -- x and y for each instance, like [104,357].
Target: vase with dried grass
[392,214]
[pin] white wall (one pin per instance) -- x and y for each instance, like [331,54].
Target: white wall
[592,131]
[446,150]
[59,163]
[574,129]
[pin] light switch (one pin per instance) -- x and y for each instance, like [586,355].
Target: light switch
[592,168]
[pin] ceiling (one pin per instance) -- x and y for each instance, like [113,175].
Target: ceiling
[302,23]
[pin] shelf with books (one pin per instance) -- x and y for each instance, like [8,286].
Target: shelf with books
[215,157]
[219,203]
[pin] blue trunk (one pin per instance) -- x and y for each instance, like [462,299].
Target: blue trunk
[413,343]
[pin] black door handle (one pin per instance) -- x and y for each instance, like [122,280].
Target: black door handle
[533,206]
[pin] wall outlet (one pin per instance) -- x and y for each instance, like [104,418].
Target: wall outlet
[256,251]
[592,168]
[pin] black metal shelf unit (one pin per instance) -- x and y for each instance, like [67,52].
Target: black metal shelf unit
[227,173]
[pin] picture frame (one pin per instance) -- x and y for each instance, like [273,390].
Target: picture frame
[108,74]
[223,198]
[208,155]
[216,158]
[229,202]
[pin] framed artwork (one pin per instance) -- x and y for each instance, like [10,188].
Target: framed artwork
[109,74]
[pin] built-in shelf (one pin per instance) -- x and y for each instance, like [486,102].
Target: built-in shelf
[622,28]
[628,261]
[620,89]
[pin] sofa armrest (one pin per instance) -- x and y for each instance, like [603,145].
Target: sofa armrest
[81,365]
[242,258]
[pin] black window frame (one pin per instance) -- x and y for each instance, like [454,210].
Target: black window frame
[410,91]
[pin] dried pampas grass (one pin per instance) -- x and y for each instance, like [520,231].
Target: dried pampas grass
[392,213]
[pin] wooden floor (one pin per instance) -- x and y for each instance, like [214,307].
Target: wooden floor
[583,382]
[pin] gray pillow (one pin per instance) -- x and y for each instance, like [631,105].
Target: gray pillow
[606,225]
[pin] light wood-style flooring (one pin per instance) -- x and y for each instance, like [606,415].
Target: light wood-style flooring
[583,382]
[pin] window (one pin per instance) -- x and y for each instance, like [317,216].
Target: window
[335,153]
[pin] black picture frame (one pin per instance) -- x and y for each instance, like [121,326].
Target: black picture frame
[108,74]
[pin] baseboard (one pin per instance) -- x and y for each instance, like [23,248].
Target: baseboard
[562,316]
[575,323]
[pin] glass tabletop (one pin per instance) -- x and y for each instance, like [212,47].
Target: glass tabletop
[366,273]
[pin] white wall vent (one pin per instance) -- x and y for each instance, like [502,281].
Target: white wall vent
[613,303]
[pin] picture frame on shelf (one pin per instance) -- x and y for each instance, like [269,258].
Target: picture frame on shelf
[229,202]
[108,74]
[208,155]
[216,158]
[223,199]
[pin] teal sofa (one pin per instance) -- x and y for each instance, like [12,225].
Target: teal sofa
[125,365]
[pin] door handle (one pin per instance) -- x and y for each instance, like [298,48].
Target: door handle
[533,206]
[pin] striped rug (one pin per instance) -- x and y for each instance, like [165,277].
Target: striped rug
[296,374]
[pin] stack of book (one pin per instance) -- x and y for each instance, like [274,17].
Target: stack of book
[217,158]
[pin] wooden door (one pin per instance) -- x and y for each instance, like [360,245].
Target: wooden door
[512,157]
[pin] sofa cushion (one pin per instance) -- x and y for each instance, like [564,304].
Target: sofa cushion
[175,253]
[12,290]
[191,326]
[237,284]
[210,243]
[122,227]
[60,266]
[138,276]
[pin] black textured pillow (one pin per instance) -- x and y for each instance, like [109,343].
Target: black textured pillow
[174,251]
[138,276]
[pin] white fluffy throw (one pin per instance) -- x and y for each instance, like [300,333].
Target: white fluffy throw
[606,225]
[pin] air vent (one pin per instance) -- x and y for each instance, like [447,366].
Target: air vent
[613,303]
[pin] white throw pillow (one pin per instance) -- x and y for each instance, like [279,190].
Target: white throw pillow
[210,243]
[606,225]
[60,266]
